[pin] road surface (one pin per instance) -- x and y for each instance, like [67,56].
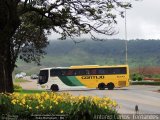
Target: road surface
[146,97]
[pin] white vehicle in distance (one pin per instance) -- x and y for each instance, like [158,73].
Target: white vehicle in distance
[19,76]
[34,76]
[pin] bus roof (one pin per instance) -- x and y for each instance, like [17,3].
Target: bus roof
[97,66]
[85,66]
[53,68]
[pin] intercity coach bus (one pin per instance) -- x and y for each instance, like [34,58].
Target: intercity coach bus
[84,76]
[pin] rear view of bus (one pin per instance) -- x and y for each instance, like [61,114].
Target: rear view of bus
[85,76]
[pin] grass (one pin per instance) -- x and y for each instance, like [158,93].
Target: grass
[17,80]
[18,88]
[31,91]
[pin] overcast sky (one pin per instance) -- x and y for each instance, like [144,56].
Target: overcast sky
[143,21]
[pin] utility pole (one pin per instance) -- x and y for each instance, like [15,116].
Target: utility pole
[126,45]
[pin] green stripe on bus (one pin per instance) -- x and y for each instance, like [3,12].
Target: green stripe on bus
[66,81]
[70,81]
[75,81]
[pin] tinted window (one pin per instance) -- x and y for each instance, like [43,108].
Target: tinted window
[43,77]
[116,70]
[90,71]
[55,72]
[93,71]
[80,72]
[101,71]
[43,73]
[70,72]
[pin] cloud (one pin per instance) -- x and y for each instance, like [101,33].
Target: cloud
[143,21]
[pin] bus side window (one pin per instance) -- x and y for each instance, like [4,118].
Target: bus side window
[75,72]
[115,71]
[53,72]
[81,72]
[58,72]
[123,70]
[63,72]
[111,71]
[87,72]
[93,71]
[70,73]
[101,71]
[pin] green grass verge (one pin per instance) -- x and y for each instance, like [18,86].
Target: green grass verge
[31,91]
[145,83]
[17,80]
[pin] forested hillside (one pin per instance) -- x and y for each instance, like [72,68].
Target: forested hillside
[66,53]
[144,52]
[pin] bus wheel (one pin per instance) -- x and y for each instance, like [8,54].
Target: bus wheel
[54,87]
[110,86]
[101,86]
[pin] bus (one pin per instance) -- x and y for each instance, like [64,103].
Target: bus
[84,76]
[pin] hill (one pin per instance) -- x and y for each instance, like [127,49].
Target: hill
[66,53]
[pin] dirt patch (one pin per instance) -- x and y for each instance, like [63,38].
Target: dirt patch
[30,85]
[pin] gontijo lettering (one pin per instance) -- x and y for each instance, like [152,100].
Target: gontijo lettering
[92,77]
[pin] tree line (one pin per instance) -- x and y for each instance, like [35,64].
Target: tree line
[139,51]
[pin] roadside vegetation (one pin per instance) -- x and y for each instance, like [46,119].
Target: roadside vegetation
[17,88]
[19,80]
[16,84]
[136,77]
[146,83]
[75,107]
[26,104]
[139,79]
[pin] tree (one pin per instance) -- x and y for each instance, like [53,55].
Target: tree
[24,25]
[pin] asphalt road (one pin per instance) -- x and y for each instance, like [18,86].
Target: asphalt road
[146,97]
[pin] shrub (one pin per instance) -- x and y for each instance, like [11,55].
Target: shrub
[139,78]
[17,88]
[76,107]
[136,77]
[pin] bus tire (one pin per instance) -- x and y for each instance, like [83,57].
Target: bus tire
[110,86]
[54,87]
[101,86]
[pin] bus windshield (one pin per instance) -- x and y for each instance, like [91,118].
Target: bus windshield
[43,77]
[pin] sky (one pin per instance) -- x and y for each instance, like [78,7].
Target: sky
[142,20]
